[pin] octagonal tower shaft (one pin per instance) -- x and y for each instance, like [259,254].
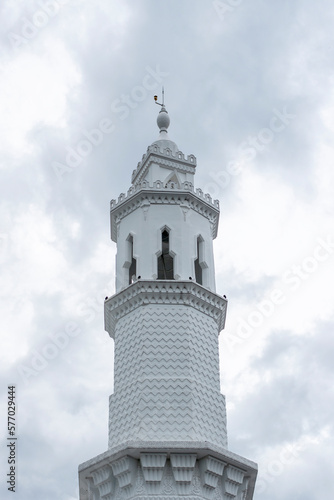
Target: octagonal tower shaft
[167,384]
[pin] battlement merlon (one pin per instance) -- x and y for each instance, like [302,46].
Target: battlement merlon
[164,158]
[143,196]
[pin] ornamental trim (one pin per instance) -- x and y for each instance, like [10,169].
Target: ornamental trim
[158,195]
[171,292]
[164,157]
[183,469]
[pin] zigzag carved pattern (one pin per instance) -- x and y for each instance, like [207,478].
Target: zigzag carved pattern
[171,293]
[167,377]
[166,340]
[173,409]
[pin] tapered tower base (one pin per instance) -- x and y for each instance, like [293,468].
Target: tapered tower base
[155,470]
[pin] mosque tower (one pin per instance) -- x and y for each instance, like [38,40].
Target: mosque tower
[167,417]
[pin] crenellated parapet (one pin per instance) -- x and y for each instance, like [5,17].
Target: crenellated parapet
[164,157]
[143,195]
[159,185]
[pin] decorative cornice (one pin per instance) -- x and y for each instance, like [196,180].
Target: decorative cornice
[144,292]
[102,479]
[168,470]
[211,470]
[159,185]
[152,465]
[157,194]
[233,479]
[164,157]
[183,466]
[124,470]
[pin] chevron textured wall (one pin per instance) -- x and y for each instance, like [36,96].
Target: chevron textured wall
[167,377]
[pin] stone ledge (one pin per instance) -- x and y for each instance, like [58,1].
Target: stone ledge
[216,469]
[170,292]
[158,195]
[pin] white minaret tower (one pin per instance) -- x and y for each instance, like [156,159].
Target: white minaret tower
[167,420]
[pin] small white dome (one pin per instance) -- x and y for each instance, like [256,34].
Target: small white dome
[164,141]
[163,120]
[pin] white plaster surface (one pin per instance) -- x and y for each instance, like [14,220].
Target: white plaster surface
[167,377]
[167,470]
[146,229]
[167,418]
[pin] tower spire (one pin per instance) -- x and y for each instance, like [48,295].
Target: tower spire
[163,99]
[163,119]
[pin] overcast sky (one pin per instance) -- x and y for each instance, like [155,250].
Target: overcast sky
[249,90]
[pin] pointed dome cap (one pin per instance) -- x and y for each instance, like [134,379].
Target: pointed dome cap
[163,122]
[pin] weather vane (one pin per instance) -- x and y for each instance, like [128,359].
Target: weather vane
[163,98]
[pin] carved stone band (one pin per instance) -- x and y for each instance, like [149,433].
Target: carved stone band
[165,157]
[172,292]
[198,202]
[168,470]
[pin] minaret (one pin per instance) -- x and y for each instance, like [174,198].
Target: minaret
[167,418]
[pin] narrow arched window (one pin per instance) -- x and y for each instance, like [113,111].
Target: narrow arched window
[165,260]
[198,261]
[132,260]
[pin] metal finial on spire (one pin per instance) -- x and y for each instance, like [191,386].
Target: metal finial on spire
[163,120]
[163,99]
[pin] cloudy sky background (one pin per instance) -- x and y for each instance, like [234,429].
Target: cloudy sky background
[229,68]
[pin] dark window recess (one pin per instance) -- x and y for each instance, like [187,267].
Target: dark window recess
[165,261]
[198,268]
[133,265]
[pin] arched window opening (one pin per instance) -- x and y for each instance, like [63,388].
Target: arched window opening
[172,181]
[198,261]
[133,262]
[165,260]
